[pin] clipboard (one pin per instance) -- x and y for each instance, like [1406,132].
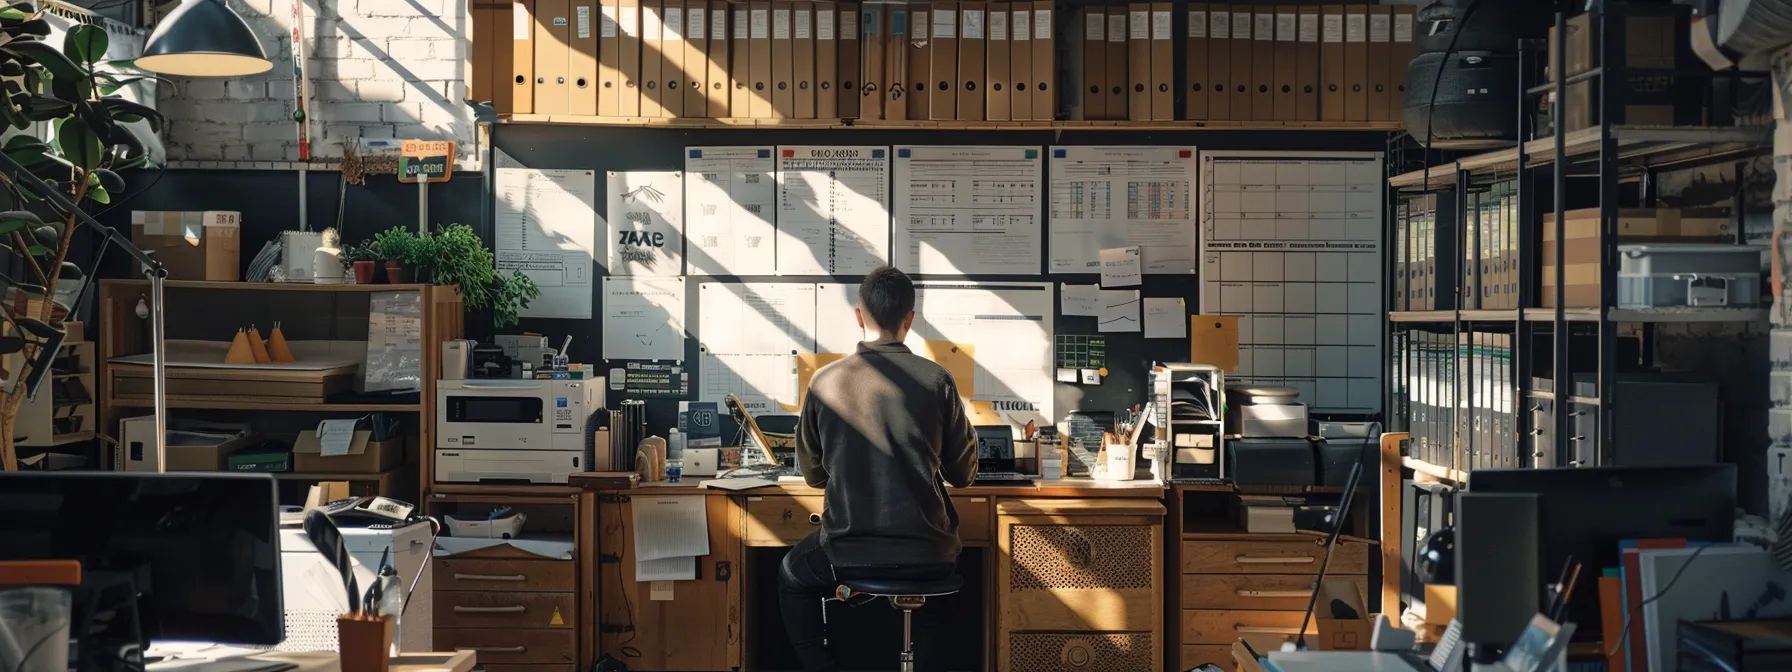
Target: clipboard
[1138,61]
[920,60]
[1045,73]
[851,59]
[522,56]
[1194,101]
[973,31]
[802,45]
[609,61]
[1219,62]
[998,104]
[1163,64]
[783,65]
[942,99]
[827,60]
[1335,84]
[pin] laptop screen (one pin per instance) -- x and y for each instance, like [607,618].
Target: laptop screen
[995,448]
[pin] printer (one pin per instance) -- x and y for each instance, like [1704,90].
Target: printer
[514,431]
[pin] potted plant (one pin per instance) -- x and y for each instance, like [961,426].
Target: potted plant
[364,257]
[456,256]
[398,247]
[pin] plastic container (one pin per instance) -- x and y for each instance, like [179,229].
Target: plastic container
[1662,275]
[34,628]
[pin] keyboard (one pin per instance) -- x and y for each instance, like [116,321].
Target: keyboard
[1002,478]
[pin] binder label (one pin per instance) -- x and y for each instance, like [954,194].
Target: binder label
[582,17]
[650,24]
[1353,28]
[1042,24]
[1095,26]
[918,32]
[674,24]
[1221,24]
[1403,27]
[780,24]
[1241,25]
[1378,27]
[1334,28]
[740,24]
[1197,24]
[761,26]
[945,25]
[718,25]
[849,27]
[607,22]
[998,26]
[520,23]
[1160,26]
[1285,27]
[973,24]
[695,18]
[630,26]
[802,25]
[1265,27]
[1022,26]
[1140,30]
[1309,27]
[824,25]
[1117,28]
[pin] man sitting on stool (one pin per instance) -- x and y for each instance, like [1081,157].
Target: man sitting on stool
[882,431]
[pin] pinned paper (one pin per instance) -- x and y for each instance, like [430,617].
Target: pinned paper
[618,379]
[1067,376]
[1084,300]
[1166,318]
[1121,267]
[335,437]
[1119,310]
[1091,377]
[660,591]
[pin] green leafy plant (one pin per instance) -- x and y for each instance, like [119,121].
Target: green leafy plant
[456,256]
[401,245]
[363,251]
[68,91]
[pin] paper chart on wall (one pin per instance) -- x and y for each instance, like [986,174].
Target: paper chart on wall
[546,227]
[1291,245]
[1008,325]
[748,335]
[833,210]
[968,210]
[1109,197]
[730,197]
[643,318]
[646,230]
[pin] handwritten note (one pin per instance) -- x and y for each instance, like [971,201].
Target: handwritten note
[1119,310]
[1084,300]
[1121,267]
[335,437]
[1166,318]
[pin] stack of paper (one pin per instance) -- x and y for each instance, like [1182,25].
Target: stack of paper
[671,532]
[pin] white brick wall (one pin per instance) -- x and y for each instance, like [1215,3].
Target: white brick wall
[380,69]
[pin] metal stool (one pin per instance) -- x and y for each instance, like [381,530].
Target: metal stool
[906,595]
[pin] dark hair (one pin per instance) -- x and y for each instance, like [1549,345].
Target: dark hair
[887,295]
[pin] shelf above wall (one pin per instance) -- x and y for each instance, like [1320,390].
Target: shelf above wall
[1653,315]
[1653,146]
[875,124]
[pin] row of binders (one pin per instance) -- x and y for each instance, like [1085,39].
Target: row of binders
[944,60]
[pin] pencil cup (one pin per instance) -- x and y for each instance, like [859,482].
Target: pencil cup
[1119,460]
[364,643]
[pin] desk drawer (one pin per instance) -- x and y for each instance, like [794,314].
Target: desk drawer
[1238,556]
[467,609]
[973,520]
[505,575]
[781,520]
[512,646]
[1262,592]
[1265,630]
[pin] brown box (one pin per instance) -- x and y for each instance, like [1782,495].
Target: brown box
[1138,61]
[204,457]
[1342,634]
[1582,244]
[1213,340]
[1650,42]
[365,456]
[192,245]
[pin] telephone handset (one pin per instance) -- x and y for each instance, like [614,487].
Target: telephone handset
[365,510]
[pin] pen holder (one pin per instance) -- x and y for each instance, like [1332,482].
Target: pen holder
[364,643]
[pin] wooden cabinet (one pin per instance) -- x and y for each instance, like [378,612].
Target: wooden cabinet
[697,627]
[1078,585]
[1255,587]
[510,606]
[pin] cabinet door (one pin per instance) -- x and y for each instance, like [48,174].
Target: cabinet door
[699,628]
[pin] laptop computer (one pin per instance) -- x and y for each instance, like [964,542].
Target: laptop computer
[995,457]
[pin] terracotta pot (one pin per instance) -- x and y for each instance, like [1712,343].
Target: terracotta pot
[394,272]
[364,272]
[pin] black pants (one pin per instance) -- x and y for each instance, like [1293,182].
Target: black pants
[806,577]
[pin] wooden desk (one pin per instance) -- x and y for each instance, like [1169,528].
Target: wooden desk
[1072,525]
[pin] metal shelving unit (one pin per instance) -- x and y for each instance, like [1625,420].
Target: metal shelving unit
[1611,154]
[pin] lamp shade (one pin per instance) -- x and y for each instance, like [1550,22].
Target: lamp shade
[204,38]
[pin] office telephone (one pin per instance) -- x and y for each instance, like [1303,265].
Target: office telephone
[368,511]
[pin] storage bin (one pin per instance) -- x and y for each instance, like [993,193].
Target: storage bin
[1689,274]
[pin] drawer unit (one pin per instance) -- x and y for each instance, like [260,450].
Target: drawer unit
[505,646]
[1278,556]
[470,609]
[1265,630]
[974,520]
[783,520]
[504,574]
[1267,592]
[1079,584]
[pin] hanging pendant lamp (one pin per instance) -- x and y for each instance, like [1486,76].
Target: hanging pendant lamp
[204,38]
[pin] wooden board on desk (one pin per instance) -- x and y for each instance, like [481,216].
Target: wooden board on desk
[701,627]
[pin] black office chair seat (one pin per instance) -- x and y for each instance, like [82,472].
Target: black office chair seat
[886,587]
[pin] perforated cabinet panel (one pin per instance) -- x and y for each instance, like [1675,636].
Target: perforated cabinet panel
[1081,651]
[1055,557]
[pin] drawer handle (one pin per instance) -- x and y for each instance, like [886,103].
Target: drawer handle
[493,649]
[490,577]
[1265,630]
[489,610]
[1265,593]
[1281,560]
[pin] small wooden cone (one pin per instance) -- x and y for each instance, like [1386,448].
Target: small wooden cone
[277,348]
[257,347]
[239,350]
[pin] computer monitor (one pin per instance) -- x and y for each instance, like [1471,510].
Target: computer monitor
[201,551]
[1584,512]
[995,448]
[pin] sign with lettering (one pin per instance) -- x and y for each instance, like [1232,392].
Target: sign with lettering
[425,160]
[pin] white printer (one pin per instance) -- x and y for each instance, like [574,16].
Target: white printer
[515,431]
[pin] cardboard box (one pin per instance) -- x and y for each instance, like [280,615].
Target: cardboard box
[192,245]
[1267,519]
[201,451]
[1338,631]
[1213,340]
[1650,42]
[365,456]
[1582,244]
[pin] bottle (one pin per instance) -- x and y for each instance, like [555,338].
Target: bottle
[674,469]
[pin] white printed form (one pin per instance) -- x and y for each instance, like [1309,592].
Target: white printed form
[1292,246]
[968,210]
[748,336]
[833,210]
[1108,197]
[643,318]
[546,227]
[729,196]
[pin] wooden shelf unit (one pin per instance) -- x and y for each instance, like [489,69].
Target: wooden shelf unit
[879,124]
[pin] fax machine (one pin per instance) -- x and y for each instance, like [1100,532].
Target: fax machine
[514,431]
